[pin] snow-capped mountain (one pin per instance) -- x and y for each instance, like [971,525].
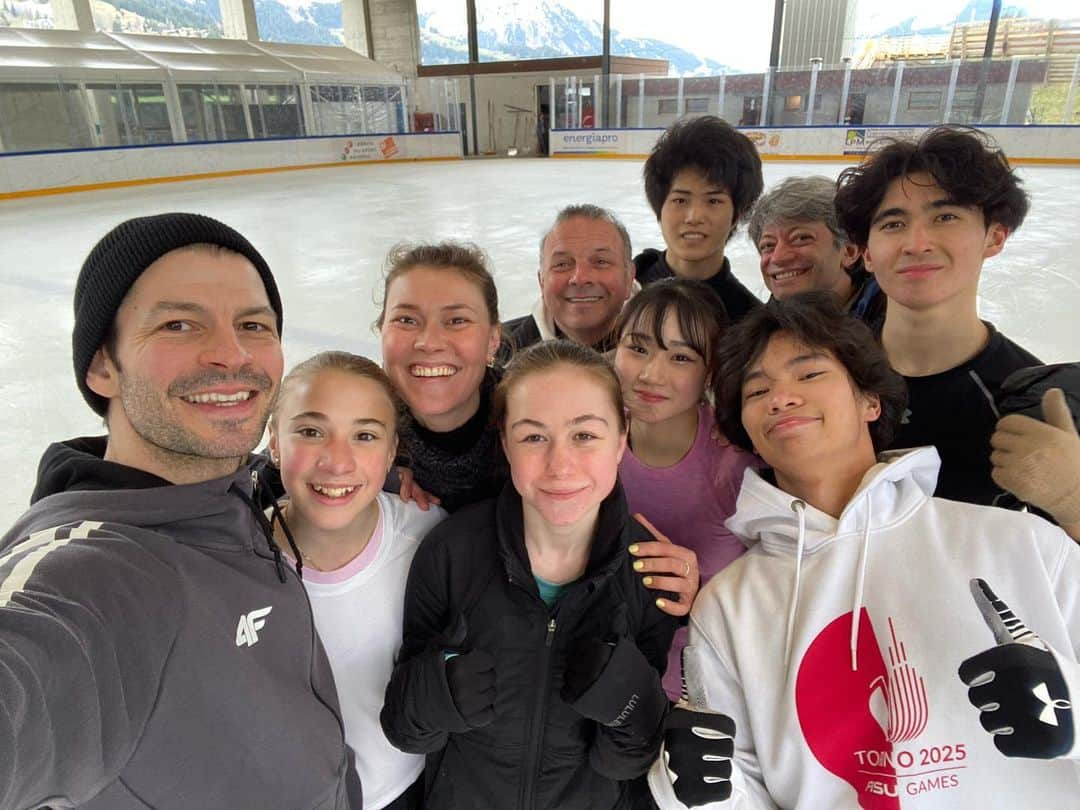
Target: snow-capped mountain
[884,22]
[521,30]
[545,29]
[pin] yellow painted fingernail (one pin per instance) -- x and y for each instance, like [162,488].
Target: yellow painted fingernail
[660,603]
[634,549]
[639,565]
[647,580]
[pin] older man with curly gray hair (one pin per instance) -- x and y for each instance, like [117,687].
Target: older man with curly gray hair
[802,247]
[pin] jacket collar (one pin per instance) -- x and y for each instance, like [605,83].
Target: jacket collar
[890,490]
[606,555]
[208,513]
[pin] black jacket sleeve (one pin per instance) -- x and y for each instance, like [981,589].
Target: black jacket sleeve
[87,622]
[626,746]
[419,711]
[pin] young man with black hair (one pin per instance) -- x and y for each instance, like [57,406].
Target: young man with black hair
[864,652]
[928,213]
[701,180]
[802,247]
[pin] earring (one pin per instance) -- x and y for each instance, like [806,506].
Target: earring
[491,362]
[273,458]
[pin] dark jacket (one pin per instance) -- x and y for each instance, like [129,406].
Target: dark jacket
[1023,390]
[651,266]
[955,411]
[471,587]
[518,334]
[1022,393]
[156,652]
[867,302]
[521,333]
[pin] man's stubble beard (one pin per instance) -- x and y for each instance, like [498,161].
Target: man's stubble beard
[153,417]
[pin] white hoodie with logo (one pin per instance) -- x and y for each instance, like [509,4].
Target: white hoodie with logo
[831,715]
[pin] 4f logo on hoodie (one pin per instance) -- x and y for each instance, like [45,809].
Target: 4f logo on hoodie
[247,630]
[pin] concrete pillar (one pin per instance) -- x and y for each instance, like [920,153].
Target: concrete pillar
[73,15]
[395,34]
[238,20]
[354,19]
[176,112]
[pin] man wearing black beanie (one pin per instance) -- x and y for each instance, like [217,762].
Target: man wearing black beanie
[155,648]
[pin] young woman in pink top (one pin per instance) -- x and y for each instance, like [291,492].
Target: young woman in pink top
[678,472]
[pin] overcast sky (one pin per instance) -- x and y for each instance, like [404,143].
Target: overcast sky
[738,33]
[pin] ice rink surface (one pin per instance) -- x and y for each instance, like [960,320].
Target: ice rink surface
[325,233]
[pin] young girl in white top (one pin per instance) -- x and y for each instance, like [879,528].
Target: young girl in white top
[677,472]
[334,434]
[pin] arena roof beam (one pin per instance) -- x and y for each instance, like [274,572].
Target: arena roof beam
[74,15]
[238,20]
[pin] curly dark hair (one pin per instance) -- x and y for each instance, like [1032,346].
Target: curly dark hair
[717,150]
[964,162]
[816,320]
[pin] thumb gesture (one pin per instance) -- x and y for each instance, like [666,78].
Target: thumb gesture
[1056,411]
[1017,686]
[1039,462]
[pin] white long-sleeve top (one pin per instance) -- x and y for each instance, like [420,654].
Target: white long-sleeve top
[831,715]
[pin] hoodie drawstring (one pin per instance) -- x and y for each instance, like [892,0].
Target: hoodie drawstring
[799,508]
[265,525]
[856,608]
[279,516]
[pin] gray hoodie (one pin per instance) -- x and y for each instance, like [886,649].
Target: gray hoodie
[155,653]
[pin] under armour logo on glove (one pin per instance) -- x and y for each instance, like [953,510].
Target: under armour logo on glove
[1017,686]
[698,747]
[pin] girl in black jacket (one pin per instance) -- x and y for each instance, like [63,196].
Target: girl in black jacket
[532,654]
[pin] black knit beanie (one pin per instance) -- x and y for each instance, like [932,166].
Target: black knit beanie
[121,257]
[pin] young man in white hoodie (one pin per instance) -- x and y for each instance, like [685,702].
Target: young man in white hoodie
[876,647]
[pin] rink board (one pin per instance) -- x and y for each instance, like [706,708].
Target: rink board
[1031,144]
[34,173]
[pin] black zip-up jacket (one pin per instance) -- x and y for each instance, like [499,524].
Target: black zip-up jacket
[471,588]
[651,266]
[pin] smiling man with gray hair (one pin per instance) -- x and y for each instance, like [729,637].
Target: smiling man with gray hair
[802,247]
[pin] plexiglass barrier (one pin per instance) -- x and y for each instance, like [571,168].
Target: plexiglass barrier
[44,115]
[515,112]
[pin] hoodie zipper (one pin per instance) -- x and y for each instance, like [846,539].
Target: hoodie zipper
[527,798]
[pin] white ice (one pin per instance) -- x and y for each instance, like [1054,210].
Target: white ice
[325,233]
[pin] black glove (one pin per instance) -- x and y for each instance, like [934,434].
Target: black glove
[618,686]
[471,678]
[1017,686]
[585,660]
[698,748]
